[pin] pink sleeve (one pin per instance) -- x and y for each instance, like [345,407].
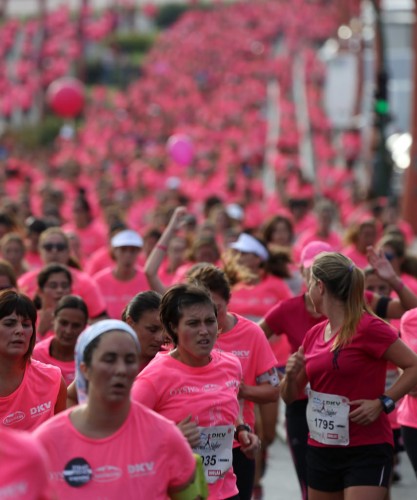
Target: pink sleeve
[93,297]
[180,476]
[377,337]
[144,392]
[272,319]
[265,359]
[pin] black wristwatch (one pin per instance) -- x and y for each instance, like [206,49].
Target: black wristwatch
[241,427]
[388,404]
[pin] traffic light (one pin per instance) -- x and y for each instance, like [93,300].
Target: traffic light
[381,105]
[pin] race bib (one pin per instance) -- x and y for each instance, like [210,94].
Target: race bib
[328,418]
[215,448]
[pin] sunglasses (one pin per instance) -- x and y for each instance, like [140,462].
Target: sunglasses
[59,247]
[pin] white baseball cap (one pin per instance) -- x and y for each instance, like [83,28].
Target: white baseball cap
[248,244]
[127,238]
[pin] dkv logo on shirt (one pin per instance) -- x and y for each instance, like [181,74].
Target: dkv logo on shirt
[142,469]
[38,410]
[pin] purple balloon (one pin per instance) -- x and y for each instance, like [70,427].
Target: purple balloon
[181,149]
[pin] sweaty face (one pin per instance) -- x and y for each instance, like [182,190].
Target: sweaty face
[68,324]
[13,252]
[54,249]
[314,293]
[250,260]
[55,288]
[15,334]
[126,256]
[114,366]
[197,333]
[281,235]
[367,235]
[150,333]
[375,284]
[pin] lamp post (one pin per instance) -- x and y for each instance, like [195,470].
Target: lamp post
[81,33]
[382,161]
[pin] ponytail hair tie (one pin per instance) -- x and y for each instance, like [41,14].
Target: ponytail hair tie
[351,267]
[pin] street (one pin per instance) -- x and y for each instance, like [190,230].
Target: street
[280,481]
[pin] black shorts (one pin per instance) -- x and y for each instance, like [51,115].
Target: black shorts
[334,469]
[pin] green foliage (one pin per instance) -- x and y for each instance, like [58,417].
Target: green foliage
[169,13]
[131,43]
[40,135]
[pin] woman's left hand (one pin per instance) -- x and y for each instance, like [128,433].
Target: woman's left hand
[367,411]
[242,391]
[249,443]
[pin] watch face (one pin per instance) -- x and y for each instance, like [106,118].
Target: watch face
[388,404]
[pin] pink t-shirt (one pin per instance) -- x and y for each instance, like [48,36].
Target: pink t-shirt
[42,353]
[117,294]
[34,400]
[208,393]
[98,261]
[254,301]
[145,457]
[290,317]
[247,341]
[407,411]
[357,371]
[92,237]
[301,225]
[33,259]
[290,320]
[410,281]
[165,276]
[358,258]
[82,285]
[24,467]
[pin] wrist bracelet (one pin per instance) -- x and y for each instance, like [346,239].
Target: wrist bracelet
[400,286]
[240,428]
[163,248]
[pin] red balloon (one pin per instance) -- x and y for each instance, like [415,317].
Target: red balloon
[66,97]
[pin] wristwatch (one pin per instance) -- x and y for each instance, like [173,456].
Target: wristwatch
[241,427]
[388,404]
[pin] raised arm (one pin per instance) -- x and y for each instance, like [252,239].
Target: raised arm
[406,298]
[157,255]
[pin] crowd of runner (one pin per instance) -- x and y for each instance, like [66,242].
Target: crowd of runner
[152,314]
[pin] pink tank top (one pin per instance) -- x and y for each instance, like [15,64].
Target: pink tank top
[42,353]
[34,400]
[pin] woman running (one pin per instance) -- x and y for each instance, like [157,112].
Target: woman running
[54,282]
[350,450]
[109,447]
[70,319]
[197,387]
[245,340]
[30,391]
[142,314]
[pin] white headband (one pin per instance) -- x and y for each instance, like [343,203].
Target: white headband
[86,337]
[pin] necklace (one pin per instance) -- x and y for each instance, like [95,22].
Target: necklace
[328,333]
